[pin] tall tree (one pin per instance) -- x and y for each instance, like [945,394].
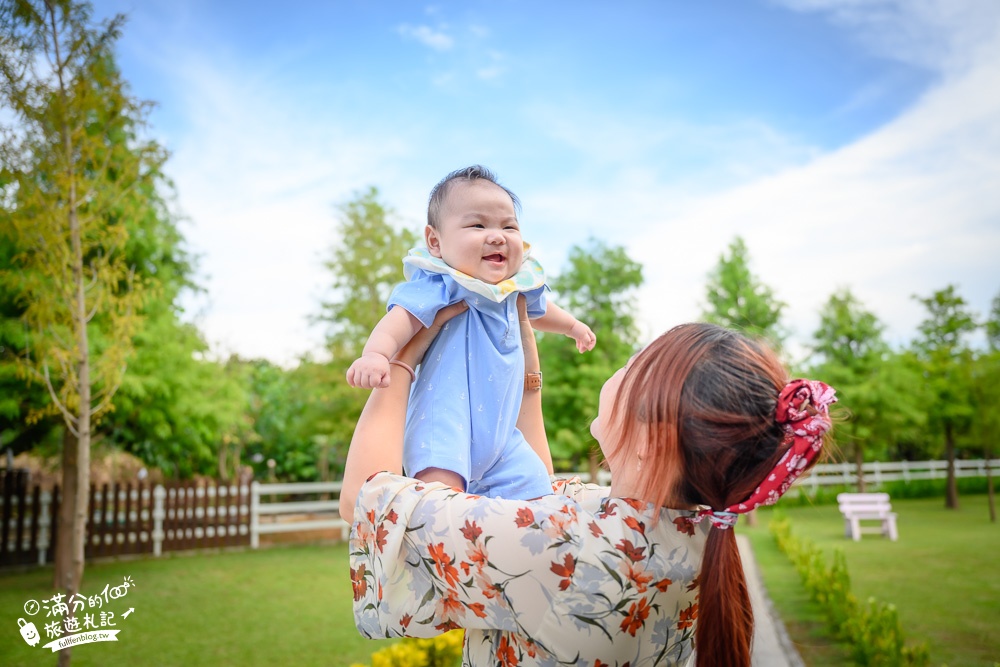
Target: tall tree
[850,344]
[364,265]
[739,300]
[946,356]
[598,287]
[73,154]
[876,387]
[986,394]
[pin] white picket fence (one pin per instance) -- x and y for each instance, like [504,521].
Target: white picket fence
[875,472]
[297,515]
[278,516]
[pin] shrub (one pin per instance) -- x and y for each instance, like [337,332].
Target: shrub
[441,651]
[872,629]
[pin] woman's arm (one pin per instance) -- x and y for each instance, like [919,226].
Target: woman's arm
[530,420]
[377,443]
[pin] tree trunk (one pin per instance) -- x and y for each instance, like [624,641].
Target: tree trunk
[77,502]
[951,492]
[62,572]
[989,487]
[594,462]
[859,469]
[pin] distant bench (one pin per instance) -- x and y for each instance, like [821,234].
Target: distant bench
[858,507]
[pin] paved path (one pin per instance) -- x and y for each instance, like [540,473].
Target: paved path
[771,645]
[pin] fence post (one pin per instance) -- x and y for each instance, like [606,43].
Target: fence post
[254,514]
[159,493]
[44,521]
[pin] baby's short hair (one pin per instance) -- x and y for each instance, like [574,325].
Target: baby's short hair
[473,173]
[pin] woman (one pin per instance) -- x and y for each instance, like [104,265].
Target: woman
[698,427]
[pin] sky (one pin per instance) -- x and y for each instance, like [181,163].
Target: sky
[851,143]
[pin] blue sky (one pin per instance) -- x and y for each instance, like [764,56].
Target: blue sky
[851,143]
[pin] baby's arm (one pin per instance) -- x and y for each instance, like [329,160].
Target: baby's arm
[557,320]
[391,333]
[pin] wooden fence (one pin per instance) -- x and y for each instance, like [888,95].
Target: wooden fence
[123,519]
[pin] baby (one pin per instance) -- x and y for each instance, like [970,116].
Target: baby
[460,424]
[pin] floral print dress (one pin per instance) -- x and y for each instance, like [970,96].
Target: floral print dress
[573,578]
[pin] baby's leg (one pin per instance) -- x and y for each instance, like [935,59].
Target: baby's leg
[450,478]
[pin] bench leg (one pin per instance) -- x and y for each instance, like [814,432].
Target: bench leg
[889,527]
[855,529]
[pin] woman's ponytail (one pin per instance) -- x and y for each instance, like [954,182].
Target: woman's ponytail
[724,633]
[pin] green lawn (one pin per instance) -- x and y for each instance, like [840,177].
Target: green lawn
[943,575]
[279,606]
[292,605]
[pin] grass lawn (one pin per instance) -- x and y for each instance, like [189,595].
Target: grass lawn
[278,606]
[943,575]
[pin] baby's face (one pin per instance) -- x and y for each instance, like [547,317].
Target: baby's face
[477,232]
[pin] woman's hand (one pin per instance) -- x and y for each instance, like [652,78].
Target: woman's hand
[413,352]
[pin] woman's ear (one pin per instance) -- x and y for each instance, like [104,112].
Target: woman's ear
[433,240]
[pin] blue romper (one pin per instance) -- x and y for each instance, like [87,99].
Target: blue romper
[465,400]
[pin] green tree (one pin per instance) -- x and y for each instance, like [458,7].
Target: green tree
[739,300]
[74,153]
[986,396]
[364,265]
[849,342]
[874,386]
[946,357]
[598,287]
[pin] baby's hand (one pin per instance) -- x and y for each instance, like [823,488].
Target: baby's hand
[584,337]
[369,371]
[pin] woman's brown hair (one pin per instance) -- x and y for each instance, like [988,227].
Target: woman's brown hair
[703,400]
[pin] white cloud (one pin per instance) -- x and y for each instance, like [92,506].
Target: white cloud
[435,39]
[906,210]
[259,181]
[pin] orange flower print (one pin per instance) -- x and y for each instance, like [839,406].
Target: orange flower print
[636,617]
[405,621]
[380,534]
[565,570]
[506,654]
[392,517]
[635,525]
[663,584]
[525,517]
[596,531]
[471,531]
[478,608]
[684,525]
[477,554]
[448,609]
[443,563]
[358,582]
[694,584]
[633,552]
[636,573]
[609,510]
[688,616]
[637,505]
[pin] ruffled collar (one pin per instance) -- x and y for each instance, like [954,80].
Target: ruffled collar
[530,276]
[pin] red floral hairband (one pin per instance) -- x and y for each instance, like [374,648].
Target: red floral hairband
[803,409]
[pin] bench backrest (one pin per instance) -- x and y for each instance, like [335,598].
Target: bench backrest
[864,502]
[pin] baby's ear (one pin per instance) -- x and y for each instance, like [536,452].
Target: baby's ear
[433,240]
